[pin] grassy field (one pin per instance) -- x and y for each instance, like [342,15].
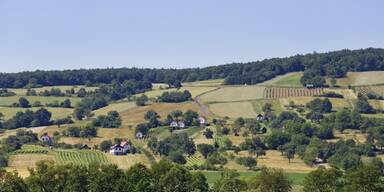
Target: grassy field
[6,101]
[194,90]
[213,176]
[337,104]
[286,80]
[126,161]
[234,93]
[233,109]
[62,88]
[206,83]
[119,107]
[258,105]
[362,78]
[9,112]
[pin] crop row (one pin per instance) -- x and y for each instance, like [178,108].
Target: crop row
[80,157]
[281,92]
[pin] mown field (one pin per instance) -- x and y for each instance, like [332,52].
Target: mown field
[286,80]
[234,93]
[362,78]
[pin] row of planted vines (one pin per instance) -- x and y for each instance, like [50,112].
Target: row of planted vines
[363,90]
[281,92]
[83,157]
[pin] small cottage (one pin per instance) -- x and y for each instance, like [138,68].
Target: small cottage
[174,124]
[46,138]
[309,86]
[85,147]
[116,150]
[260,117]
[202,121]
[181,124]
[177,124]
[126,146]
[139,135]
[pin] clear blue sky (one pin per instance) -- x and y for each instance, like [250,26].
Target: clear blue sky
[66,34]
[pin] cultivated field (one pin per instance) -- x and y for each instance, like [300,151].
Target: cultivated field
[362,78]
[233,109]
[80,157]
[234,93]
[282,92]
[286,80]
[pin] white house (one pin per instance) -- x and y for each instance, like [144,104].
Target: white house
[126,146]
[45,138]
[139,135]
[202,121]
[174,124]
[259,117]
[177,124]
[116,150]
[181,124]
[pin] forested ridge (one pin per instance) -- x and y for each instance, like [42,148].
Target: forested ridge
[315,66]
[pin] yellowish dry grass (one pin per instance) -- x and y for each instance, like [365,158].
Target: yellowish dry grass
[349,134]
[195,91]
[234,93]
[337,103]
[274,159]
[206,83]
[119,107]
[127,161]
[233,110]
[24,161]
[362,78]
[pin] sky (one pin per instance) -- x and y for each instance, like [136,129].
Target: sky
[73,34]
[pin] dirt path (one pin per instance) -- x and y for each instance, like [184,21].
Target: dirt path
[204,110]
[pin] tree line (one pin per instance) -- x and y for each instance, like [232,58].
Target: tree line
[315,66]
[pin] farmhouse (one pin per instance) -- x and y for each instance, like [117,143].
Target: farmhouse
[45,138]
[259,117]
[175,124]
[202,121]
[309,86]
[120,149]
[139,135]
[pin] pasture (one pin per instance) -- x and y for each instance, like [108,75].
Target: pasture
[258,105]
[233,109]
[194,90]
[206,83]
[126,161]
[362,78]
[119,107]
[286,80]
[63,88]
[7,101]
[57,113]
[234,93]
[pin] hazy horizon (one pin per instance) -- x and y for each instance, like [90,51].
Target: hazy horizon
[48,35]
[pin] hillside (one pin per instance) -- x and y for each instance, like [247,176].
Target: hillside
[334,64]
[300,129]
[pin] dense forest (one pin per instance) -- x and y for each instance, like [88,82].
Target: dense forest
[315,66]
